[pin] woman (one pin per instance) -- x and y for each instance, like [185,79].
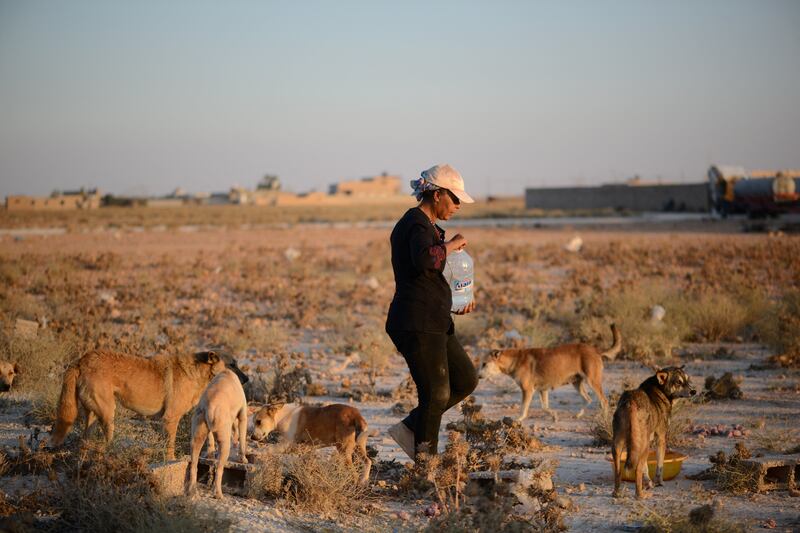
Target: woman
[419,321]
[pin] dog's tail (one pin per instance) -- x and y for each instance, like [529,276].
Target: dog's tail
[360,426]
[612,352]
[632,452]
[67,406]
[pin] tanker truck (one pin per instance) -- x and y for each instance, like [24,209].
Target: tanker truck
[757,194]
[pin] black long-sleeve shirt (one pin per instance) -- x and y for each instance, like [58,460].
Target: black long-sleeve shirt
[422,297]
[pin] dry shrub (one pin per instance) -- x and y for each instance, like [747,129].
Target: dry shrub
[703,519]
[42,360]
[537,331]
[731,473]
[463,506]
[780,329]
[778,440]
[310,480]
[629,307]
[716,316]
[469,328]
[106,493]
[15,304]
[288,380]
[375,348]
[489,439]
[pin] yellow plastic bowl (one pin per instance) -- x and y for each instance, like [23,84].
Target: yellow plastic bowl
[672,466]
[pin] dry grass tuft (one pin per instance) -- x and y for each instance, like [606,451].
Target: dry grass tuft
[716,316]
[105,493]
[629,307]
[312,481]
[780,330]
[702,519]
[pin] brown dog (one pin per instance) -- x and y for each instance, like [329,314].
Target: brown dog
[164,385]
[8,372]
[544,369]
[642,414]
[332,425]
[222,408]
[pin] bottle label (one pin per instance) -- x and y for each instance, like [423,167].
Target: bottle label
[463,284]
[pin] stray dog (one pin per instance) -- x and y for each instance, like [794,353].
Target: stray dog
[332,425]
[641,414]
[222,409]
[543,369]
[8,372]
[165,385]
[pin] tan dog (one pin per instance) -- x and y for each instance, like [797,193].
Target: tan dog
[164,385]
[332,425]
[544,369]
[642,414]
[8,372]
[221,410]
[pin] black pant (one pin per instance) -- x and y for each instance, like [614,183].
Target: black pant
[444,375]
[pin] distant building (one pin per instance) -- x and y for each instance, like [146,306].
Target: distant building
[80,199]
[383,185]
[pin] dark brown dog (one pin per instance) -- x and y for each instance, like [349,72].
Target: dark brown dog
[165,385]
[544,369]
[8,372]
[642,414]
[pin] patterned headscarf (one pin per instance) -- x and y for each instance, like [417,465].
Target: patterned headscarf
[420,185]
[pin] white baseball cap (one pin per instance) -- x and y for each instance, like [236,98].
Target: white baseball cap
[447,177]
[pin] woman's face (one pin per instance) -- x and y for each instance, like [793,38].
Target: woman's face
[447,204]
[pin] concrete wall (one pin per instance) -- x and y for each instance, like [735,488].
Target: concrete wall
[674,197]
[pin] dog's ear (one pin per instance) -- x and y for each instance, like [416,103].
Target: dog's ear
[682,367]
[211,357]
[494,354]
[16,368]
[662,376]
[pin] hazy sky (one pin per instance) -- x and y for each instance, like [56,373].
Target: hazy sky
[143,96]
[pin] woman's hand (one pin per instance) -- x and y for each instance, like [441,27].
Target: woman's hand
[456,243]
[466,309]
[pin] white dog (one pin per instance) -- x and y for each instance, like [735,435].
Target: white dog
[221,412]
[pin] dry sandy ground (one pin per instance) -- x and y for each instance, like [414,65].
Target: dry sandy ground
[569,441]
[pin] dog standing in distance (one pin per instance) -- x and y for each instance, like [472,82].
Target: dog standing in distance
[165,385]
[222,410]
[544,369]
[642,414]
[332,425]
[8,372]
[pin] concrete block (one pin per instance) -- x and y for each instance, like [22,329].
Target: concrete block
[171,476]
[235,477]
[776,472]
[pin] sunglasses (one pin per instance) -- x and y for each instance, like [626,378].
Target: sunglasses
[453,197]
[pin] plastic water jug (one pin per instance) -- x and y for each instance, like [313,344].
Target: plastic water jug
[459,273]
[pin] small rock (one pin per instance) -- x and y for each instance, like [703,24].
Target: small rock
[574,245]
[403,515]
[291,253]
[581,487]
[770,524]
[657,313]
[372,283]
[564,502]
